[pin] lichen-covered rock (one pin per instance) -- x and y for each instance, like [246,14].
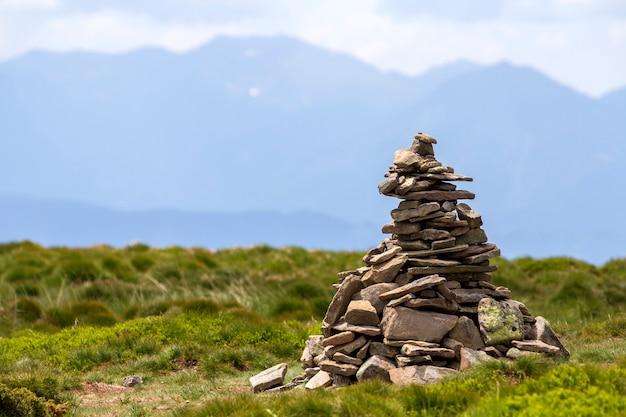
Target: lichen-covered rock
[499,321]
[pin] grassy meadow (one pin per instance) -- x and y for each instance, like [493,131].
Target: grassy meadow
[196,324]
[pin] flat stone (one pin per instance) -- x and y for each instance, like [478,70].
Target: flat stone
[458,269]
[499,322]
[443,243]
[535,346]
[541,330]
[441,304]
[433,234]
[338,305]
[452,344]
[515,353]
[338,339]
[420,211]
[472,237]
[366,330]
[438,352]
[471,295]
[432,262]
[346,348]
[399,301]
[321,379]
[269,378]
[471,357]
[422,185]
[401,228]
[414,286]
[389,184]
[474,250]
[381,349]
[403,323]
[422,148]
[413,245]
[448,206]
[384,272]
[373,292]
[361,313]
[466,213]
[343,358]
[459,231]
[334,367]
[420,375]
[467,333]
[375,367]
[482,257]
[399,343]
[447,221]
[385,256]
[402,360]
[405,185]
[436,195]
[420,254]
[405,158]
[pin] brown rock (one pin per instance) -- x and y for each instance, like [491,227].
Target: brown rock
[414,286]
[346,348]
[269,378]
[403,323]
[401,228]
[341,299]
[471,357]
[435,195]
[388,184]
[405,158]
[381,349]
[338,339]
[334,367]
[535,346]
[343,358]
[366,330]
[361,312]
[384,272]
[321,379]
[424,209]
[440,304]
[472,237]
[375,367]
[439,352]
[433,234]
[373,292]
[467,333]
[466,213]
[385,256]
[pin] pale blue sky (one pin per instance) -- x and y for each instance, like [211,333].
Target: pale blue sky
[581,43]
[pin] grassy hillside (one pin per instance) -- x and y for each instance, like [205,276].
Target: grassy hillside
[196,324]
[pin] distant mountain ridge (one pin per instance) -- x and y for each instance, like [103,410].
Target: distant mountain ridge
[276,125]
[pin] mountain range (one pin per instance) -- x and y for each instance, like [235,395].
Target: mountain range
[272,140]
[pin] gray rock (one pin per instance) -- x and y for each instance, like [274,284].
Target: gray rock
[437,352]
[421,375]
[471,357]
[381,349]
[536,346]
[373,292]
[472,237]
[338,305]
[541,330]
[422,210]
[467,333]
[403,323]
[132,380]
[466,213]
[375,367]
[320,380]
[402,360]
[499,321]
[269,378]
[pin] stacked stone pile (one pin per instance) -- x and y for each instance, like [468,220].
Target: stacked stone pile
[423,306]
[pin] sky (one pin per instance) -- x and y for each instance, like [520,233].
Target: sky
[580,43]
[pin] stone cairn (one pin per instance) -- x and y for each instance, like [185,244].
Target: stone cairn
[423,306]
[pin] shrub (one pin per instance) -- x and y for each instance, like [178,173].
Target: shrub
[28,310]
[19,402]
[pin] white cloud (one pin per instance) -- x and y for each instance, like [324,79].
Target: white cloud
[579,42]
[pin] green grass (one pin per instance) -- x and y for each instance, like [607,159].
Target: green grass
[196,324]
